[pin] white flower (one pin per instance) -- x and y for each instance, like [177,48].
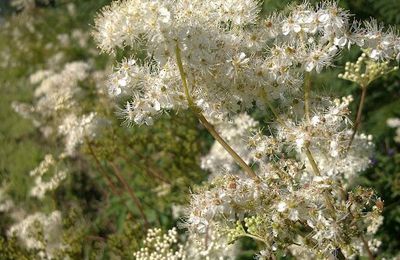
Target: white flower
[77,130]
[50,226]
[282,206]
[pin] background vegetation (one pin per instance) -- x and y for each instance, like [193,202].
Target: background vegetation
[159,164]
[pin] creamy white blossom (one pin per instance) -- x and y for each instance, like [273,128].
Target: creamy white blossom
[49,225]
[41,184]
[221,59]
[78,130]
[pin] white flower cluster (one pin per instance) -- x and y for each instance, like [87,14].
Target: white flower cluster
[150,86]
[288,211]
[213,244]
[231,197]
[56,94]
[56,111]
[23,4]
[366,70]
[78,36]
[327,139]
[77,130]
[160,246]
[42,184]
[232,58]
[289,193]
[57,91]
[48,226]
[381,44]
[57,108]
[221,58]
[327,135]
[395,123]
[168,246]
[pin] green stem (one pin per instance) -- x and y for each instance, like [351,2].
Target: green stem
[358,117]
[131,193]
[310,157]
[100,168]
[307,91]
[247,169]
[255,238]
[366,246]
[312,161]
[275,113]
[317,172]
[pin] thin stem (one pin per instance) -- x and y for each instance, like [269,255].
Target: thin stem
[148,168]
[312,161]
[307,91]
[100,167]
[314,165]
[359,114]
[207,124]
[131,193]
[355,129]
[365,243]
[275,113]
[272,108]
[255,238]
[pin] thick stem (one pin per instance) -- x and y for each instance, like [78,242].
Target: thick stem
[226,146]
[247,169]
[359,114]
[183,76]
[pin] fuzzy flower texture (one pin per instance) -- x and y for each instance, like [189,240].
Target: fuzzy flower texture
[222,59]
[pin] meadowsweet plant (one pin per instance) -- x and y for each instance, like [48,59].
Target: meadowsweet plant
[286,183]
